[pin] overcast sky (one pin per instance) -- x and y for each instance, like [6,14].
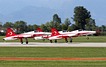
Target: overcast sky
[96,7]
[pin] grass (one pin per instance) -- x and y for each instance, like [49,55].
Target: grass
[41,52]
[52,63]
[91,39]
[75,39]
[52,52]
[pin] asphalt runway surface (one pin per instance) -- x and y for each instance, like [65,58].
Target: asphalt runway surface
[37,44]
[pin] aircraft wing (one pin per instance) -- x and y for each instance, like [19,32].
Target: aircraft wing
[70,35]
[62,36]
[35,34]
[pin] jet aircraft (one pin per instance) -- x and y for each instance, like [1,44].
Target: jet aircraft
[11,35]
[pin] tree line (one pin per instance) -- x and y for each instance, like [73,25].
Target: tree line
[81,17]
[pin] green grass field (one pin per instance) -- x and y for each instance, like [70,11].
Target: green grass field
[41,52]
[63,52]
[52,52]
[52,63]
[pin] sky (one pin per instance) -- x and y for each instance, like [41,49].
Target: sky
[64,8]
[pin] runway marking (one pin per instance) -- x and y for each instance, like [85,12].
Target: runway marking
[50,59]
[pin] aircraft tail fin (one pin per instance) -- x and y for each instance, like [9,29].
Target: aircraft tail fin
[54,32]
[39,30]
[10,32]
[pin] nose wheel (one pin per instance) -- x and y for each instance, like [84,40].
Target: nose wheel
[55,41]
[50,41]
[70,40]
[26,40]
[66,40]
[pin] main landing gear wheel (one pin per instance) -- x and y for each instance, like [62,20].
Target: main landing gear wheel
[55,41]
[70,40]
[50,41]
[66,40]
[21,41]
[26,40]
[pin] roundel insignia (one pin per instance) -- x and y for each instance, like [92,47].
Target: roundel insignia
[10,33]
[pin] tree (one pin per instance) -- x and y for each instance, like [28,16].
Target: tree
[21,26]
[64,27]
[56,22]
[69,28]
[58,26]
[80,16]
[73,27]
[8,24]
[0,25]
[49,25]
[43,27]
[30,27]
[56,18]
[103,28]
[91,25]
[1,32]
[67,23]
[35,26]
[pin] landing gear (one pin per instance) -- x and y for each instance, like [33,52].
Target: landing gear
[70,40]
[50,41]
[55,41]
[87,37]
[26,40]
[66,40]
[21,40]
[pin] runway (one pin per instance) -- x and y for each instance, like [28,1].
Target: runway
[36,44]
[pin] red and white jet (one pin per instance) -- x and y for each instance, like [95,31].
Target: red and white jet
[11,35]
[80,33]
[55,35]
